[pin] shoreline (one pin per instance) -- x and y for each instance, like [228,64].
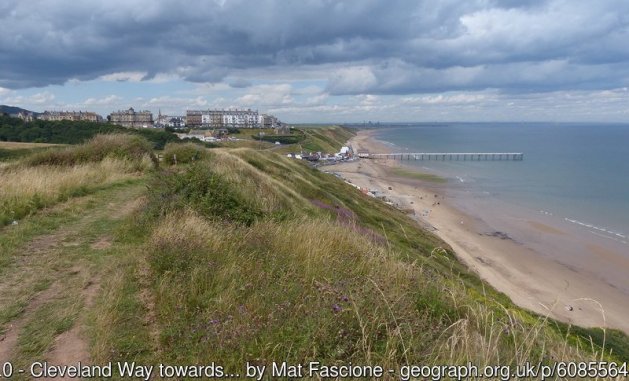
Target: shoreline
[530,259]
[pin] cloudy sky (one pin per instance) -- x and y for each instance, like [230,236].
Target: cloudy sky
[320,60]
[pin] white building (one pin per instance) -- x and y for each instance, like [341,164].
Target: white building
[241,119]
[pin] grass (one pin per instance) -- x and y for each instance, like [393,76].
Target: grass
[20,145]
[16,150]
[130,148]
[247,143]
[247,132]
[416,175]
[48,177]
[182,153]
[245,255]
[369,287]
[279,290]
[24,190]
[48,263]
[48,321]
[326,139]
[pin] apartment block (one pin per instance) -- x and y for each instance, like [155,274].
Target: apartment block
[71,115]
[131,118]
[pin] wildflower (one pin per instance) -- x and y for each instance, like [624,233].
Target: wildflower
[336,308]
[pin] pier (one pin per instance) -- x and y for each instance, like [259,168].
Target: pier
[443,156]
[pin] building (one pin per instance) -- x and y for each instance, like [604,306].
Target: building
[232,118]
[212,119]
[268,121]
[241,119]
[176,122]
[282,129]
[25,116]
[71,115]
[161,121]
[131,118]
[194,118]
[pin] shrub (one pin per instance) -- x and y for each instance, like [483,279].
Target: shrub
[118,146]
[201,189]
[181,153]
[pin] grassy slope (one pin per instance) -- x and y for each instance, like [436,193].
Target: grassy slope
[47,177]
[15,150]
[326,139]
[299,266]
[247,255]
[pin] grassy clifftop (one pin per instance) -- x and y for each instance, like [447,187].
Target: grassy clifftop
[256,256]
[326,139]
[236,255]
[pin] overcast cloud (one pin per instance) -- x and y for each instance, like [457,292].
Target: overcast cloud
[264,52]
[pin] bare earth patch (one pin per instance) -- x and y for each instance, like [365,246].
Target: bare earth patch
[70,347]
[102,243]
[33,263]
[148,300]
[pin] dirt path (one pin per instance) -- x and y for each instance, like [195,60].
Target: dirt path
[8,341]
[71,347]
[57,276]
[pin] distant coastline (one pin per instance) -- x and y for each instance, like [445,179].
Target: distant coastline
[533,269]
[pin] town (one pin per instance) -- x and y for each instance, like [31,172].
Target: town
[208,126]
[202,119]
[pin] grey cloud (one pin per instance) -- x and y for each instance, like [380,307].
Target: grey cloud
[239,83]
[375,46]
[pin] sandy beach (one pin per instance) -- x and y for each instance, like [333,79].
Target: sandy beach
[553,270]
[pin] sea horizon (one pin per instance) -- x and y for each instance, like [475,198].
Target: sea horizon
[571,171]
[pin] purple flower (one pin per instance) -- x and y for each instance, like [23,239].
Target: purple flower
[345,298]
[336,308]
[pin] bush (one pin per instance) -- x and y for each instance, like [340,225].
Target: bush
[200,189]
[118,146]
[181,153]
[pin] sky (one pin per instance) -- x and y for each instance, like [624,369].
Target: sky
[322,61]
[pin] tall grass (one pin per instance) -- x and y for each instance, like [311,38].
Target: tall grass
[47,177]
[371,288]
[183,153]
[306,289]
[120,146]
[24,190]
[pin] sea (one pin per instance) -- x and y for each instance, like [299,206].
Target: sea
[578,173]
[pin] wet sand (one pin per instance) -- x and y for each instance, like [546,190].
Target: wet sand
[553,270]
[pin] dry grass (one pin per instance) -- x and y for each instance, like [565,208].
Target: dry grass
[238,264]
[24,190]
[20,145]
[306,290]
[54,175]
[183,153]
[121,146]
[270,193]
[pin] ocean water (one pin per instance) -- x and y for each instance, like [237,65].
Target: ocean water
[576,172]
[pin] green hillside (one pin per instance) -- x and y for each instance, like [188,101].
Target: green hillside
[234,255]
